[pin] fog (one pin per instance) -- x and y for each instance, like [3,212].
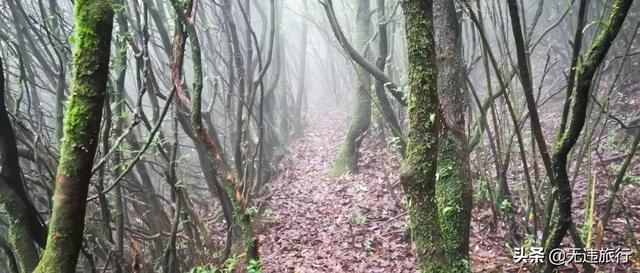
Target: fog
[215,111]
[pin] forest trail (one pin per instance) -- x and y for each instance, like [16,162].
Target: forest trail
[353,223]
[323,223]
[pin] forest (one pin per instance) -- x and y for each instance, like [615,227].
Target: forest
[303,136]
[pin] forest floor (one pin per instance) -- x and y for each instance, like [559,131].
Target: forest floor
[316,222]
[324,223]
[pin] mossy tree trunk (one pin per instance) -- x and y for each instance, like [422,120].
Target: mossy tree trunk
[25,226]
[20,236]
[347,158]
[453,183]
[418,171]
[585,72]
[10,262]
[94,23]
[230,182]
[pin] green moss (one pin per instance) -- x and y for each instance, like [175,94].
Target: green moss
[347,158]
[418,172]
[78,118]
[433,175]
[340,164]
[453,198]
[584,80]
[94,22]
[19,235]
[243,220]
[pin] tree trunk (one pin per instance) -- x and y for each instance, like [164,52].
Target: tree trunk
[453,185]
[230,182]
[120,62]
[300,93]
[585,72]
[12,264]
[25,226]
[381,96]
[94,22]
[347,158]
[418,171]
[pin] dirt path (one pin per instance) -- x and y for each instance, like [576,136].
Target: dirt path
[351,223]
[328,224]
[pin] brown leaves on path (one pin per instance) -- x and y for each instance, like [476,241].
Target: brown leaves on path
[334,224]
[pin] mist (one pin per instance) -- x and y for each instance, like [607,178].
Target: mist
[319,136]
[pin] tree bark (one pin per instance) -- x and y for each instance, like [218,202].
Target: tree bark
[584,79]
[418,171]
[300,93]
[120,62]
[230,181]
[25,226]
[360,59]
[453,184]
[12,264]
[94,22]
[347,158]
[381,96]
